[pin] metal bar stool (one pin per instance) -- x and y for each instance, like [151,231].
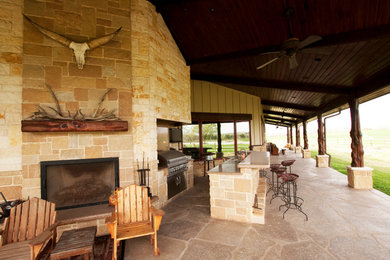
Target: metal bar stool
[292,201]
[271,185]
[287,163]
[279,192]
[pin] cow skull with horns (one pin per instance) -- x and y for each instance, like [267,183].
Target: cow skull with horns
[79,48]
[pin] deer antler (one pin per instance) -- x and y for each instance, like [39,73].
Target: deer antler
[42,114]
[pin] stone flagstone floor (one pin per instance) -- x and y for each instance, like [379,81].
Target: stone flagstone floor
[343,224]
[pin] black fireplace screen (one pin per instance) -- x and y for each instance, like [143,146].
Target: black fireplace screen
[79,183]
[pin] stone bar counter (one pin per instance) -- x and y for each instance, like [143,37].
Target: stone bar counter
[236,190]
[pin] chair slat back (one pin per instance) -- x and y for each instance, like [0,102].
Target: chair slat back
[132,204]
[29,219]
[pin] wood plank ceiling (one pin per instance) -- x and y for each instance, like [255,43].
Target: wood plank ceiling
[225,40]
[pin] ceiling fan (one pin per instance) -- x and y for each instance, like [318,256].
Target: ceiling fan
[291,46]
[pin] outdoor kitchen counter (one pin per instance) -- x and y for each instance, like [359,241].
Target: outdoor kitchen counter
[235,187]
[258,160]
[228,167]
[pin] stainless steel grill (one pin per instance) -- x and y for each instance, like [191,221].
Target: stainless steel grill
[176,162]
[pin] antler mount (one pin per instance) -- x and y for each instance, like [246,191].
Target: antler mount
[79,48]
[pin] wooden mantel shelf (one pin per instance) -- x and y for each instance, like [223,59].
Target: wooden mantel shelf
[73,126]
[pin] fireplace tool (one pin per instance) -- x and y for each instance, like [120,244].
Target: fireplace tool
[143,175]
[6,206]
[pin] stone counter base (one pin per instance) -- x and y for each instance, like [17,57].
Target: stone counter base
[306,154]
[360,177]
[233,196]
[322,161]
[258,212]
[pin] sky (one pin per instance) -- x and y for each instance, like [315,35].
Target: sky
[373,114]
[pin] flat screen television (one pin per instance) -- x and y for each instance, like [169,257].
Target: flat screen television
[175,135]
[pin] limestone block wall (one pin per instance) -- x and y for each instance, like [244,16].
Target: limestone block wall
[142,65]
[232,195]
[160,81]
[47,62]
[11,47]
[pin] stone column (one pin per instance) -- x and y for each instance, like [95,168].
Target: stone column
[359,177]
[322,159]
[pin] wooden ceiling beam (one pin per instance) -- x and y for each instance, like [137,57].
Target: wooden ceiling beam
[278,124]
[288,105]
[327,40]
[283,114]
[272,84]
[280,119]
[376,82]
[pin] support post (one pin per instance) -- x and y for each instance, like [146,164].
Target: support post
[306,152]
[305,140]
[322,160]
[200,141]
[321,140]
[297,135]
[298,148]
[357,152]
[235,136]
[250,135]
[359,177]
[291,136]
[288,134]
[219,141]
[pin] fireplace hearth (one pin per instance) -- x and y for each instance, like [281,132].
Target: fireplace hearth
[79,183]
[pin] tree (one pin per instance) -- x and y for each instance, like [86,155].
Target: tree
[209,131]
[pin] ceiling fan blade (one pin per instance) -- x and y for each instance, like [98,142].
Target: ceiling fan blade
[309,40]
[268,62]
[292,60]
[270,52]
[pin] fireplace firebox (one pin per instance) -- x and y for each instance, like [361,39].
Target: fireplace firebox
[79,183]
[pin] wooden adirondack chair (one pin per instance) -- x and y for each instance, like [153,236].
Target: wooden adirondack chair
[133,217]
[29,231]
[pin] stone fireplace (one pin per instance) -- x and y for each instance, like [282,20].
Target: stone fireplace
[79,183]
[142,65]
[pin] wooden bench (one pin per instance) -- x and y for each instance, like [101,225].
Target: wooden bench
[75,242]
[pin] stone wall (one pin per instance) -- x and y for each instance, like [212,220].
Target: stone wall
[11,46]
[45,61]
[160,82]
[142,65]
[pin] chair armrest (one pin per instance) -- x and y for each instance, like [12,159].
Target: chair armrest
[157,216]
[113,198]
[111,219]
[40,239]
[157,212]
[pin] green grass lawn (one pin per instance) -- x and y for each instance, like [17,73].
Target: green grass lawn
[227,149]
[380,177]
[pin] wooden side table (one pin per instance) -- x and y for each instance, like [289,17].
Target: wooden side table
[75,242]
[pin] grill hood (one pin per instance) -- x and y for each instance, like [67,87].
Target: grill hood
[171,158]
